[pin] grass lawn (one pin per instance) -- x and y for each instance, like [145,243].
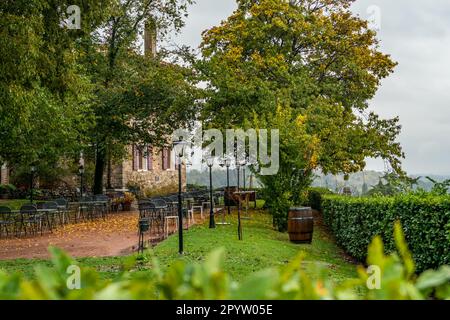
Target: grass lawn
[262,247]
[13,204]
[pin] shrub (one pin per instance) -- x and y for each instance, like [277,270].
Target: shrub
[161,191]
[195,187]
[315,197]
[189,281]
[7,188]
[282,191]
[356,221]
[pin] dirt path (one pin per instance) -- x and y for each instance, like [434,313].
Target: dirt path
[112,237]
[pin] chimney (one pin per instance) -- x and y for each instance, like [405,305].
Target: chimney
[150,38]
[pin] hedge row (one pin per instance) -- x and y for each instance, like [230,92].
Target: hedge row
[315,195]
[425,220]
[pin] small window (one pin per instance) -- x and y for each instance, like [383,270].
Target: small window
[140,160]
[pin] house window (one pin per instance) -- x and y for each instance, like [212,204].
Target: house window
[142,158]
[165,159]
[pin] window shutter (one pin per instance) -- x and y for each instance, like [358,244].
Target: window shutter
[149,158]
[168,158]
[165,159]
[140,156]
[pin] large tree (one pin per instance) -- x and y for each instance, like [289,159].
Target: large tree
[63,91]
[44,91]
[310,63]
[138,99]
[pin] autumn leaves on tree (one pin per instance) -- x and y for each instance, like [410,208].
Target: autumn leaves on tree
[307,68]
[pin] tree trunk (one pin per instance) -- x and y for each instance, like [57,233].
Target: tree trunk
[100,162]
[109,172]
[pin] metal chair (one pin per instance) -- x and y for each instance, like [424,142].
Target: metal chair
[63,208]
[168,214]
[86,208]
[29,217]
[155,217]
[54,214]
[102,208]
[161,211]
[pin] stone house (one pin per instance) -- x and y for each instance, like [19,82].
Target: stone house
[149,168]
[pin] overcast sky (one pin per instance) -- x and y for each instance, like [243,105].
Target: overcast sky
[417,35]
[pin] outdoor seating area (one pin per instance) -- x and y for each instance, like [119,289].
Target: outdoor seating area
[34,219]
[161,213]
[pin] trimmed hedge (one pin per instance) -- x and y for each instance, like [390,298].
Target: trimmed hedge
[425,220]
[315,195]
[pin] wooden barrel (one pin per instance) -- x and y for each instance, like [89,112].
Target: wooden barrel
[300,225]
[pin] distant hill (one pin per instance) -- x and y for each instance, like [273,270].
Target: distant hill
[371,178]
[219,178]
[334,183]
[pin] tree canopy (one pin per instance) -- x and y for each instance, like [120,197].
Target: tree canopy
[314,57]
[307,68]
[63,91]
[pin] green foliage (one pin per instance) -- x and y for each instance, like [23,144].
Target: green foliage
[284,189]
[439,188]
[139,99]
[263,247]
[196,187]
[62,91]
[207,280]
[315,197]
[392,184]
[43,91]
[426,220]
[282,54]
[7,188]
[14,204]
[161,191]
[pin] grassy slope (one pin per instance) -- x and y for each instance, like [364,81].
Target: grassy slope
[13,204]
[262,247]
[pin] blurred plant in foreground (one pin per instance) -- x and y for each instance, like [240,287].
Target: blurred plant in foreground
[208,281]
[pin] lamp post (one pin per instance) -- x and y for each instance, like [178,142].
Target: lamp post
[32,172]
[179,148]
[212,223]
[81,171]
[238,169]
[225,162]
[243,173]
